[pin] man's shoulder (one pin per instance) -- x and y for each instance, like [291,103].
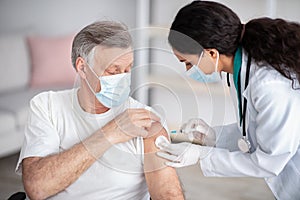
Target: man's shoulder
[48,98]
[48,95]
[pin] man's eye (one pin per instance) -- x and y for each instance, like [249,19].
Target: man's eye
[111,73]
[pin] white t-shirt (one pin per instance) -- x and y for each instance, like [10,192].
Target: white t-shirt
[57,122]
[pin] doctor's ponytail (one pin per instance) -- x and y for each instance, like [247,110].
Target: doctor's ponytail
[275,42]
[213,25]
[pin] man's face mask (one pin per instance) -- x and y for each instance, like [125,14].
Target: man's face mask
[198,75]
[115,89]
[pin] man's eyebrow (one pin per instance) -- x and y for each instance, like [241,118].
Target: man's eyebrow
[182,60]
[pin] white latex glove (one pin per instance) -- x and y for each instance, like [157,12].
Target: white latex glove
[181,154]
[199,132]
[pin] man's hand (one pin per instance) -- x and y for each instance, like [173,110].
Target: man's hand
[129,124]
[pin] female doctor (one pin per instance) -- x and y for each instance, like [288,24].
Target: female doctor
[262,59]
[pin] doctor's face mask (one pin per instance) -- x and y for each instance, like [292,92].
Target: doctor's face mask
[204,61]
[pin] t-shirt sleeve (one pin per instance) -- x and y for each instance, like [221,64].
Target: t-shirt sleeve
[41,138]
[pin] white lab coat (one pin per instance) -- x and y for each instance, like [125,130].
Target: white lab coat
[273,129]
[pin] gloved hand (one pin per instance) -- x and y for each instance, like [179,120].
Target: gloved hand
[181,154]
[199,132]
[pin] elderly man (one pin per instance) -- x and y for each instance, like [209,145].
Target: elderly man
[95,142]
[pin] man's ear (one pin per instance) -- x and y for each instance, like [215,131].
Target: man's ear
[80,67]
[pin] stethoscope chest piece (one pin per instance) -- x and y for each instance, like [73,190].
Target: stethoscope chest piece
[244,145]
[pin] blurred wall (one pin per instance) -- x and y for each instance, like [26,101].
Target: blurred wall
[246,10]
[57,17]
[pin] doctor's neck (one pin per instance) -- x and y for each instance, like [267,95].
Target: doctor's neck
[226,63]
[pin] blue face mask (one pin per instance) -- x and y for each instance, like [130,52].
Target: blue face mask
[115,89]
[198,75]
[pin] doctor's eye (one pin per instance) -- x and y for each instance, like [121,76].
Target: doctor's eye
[188,64]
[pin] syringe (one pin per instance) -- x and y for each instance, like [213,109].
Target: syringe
[181,136]
[178,136]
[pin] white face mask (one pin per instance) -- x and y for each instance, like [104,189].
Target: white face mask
[115,89]
[198,75]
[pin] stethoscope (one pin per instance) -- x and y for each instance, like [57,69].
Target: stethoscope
[243,143]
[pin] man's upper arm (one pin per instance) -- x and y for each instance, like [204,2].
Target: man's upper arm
[41,138]
[162,181]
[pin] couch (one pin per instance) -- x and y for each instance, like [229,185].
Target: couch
[29,65]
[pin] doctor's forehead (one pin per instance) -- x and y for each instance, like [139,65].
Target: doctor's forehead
[182,57]
[107,56]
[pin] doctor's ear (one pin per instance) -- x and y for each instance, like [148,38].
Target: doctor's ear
[80,67]
[212,52]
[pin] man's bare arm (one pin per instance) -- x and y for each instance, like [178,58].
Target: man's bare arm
[163,182]
[46,176]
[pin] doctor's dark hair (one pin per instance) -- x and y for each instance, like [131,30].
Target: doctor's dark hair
[213,25]
[104,33]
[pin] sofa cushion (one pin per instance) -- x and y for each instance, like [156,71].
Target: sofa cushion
[11,142]
[15,64]
[8,123]
[17,103]
[51,61]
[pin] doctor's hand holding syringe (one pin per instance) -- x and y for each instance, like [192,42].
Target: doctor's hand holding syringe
[197,131]
[182,154]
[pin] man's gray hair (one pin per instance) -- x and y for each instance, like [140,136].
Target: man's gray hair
[104,33]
